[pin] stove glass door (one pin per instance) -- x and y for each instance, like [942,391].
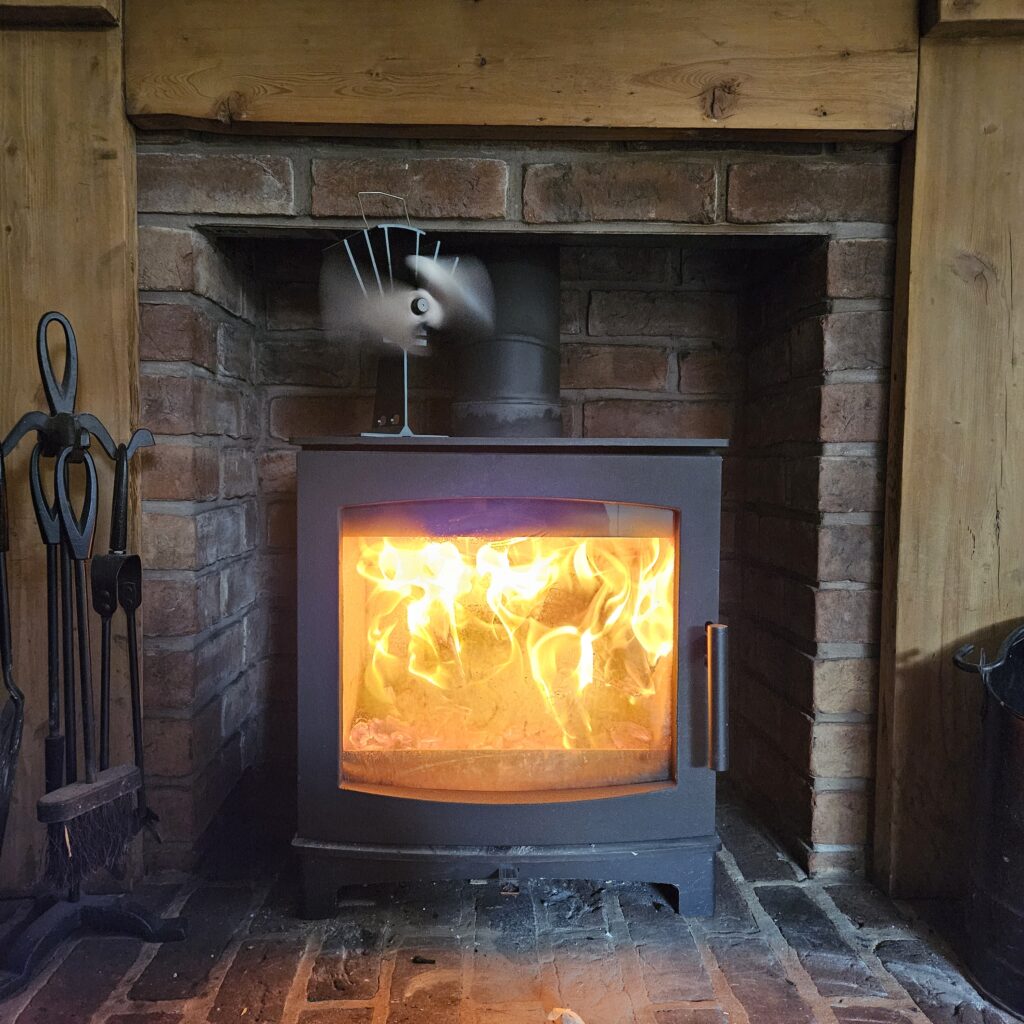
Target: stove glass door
[498,646]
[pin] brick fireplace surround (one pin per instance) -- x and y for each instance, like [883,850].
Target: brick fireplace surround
[707,291]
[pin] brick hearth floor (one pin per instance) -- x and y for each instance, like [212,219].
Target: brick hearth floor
[781,949]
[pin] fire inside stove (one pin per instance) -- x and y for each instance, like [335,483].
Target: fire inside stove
[507,645]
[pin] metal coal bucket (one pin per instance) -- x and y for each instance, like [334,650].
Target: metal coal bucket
[995,901]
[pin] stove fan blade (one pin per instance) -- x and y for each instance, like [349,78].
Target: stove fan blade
[378,289]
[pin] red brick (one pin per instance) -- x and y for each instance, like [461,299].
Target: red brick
[169,541]
[179,472]
[227,531]
[195,405]
[842,341]
[177,747]
[197,540]
[572,311]
[840,816]
[854,412]
[81,984]
[256,986]
[166,259]
[846,483]
[716,270]
[789,728]
[277,471]
[849,552]
[790,416]
[182,260]
[187,807]
[786,190]
[237,472]
[861,268]
[175,677]
[616,417]
[316,362]
[175,332]
[280,517]
[293,416]
[852,484]
[767,364]
[234,350]
[170,675]
[639,189]
[212,183]
[238,585]
[825,862]
[843,750]
[846,616]
[846,685]
[619,263]
[434,187]
[709,372]
[180,607]
[572,419]
[664,314]
[294,307]
[791,544]
[634,367]
[857,341]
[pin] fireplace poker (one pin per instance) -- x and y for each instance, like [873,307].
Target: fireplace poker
[12,718]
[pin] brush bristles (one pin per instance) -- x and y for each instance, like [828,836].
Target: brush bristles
[98,839]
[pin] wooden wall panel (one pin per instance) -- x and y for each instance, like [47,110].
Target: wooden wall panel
[955,545]
[824,65]
[67,241]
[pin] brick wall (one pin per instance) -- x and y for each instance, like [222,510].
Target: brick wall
[706,292]
[812,426]
[204,627]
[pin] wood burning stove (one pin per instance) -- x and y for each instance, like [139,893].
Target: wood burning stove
[507,662]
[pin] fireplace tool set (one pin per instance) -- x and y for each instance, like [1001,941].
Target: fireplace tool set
[91,809]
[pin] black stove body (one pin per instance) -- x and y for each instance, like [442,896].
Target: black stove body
[384,795]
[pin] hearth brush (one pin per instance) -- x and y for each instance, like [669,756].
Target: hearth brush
[388,286]
[92,820]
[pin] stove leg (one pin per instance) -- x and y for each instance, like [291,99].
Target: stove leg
[693,895]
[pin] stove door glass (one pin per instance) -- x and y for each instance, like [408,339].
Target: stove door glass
[503,646]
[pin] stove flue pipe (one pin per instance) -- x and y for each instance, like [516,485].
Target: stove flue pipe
[508,385]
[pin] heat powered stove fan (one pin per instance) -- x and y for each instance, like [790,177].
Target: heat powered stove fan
[389,287]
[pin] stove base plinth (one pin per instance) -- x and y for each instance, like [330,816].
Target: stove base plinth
[687,865]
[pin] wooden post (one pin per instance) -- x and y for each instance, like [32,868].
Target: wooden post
[955,518]
[67,223]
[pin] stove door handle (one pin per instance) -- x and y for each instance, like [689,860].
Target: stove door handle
[718,696]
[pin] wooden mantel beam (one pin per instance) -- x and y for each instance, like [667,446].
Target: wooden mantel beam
[296,65]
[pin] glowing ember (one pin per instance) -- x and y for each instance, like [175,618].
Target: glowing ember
[475,644]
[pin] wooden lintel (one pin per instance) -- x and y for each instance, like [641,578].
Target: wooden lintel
[444,65]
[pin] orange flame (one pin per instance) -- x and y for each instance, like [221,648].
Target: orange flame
[548,642]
